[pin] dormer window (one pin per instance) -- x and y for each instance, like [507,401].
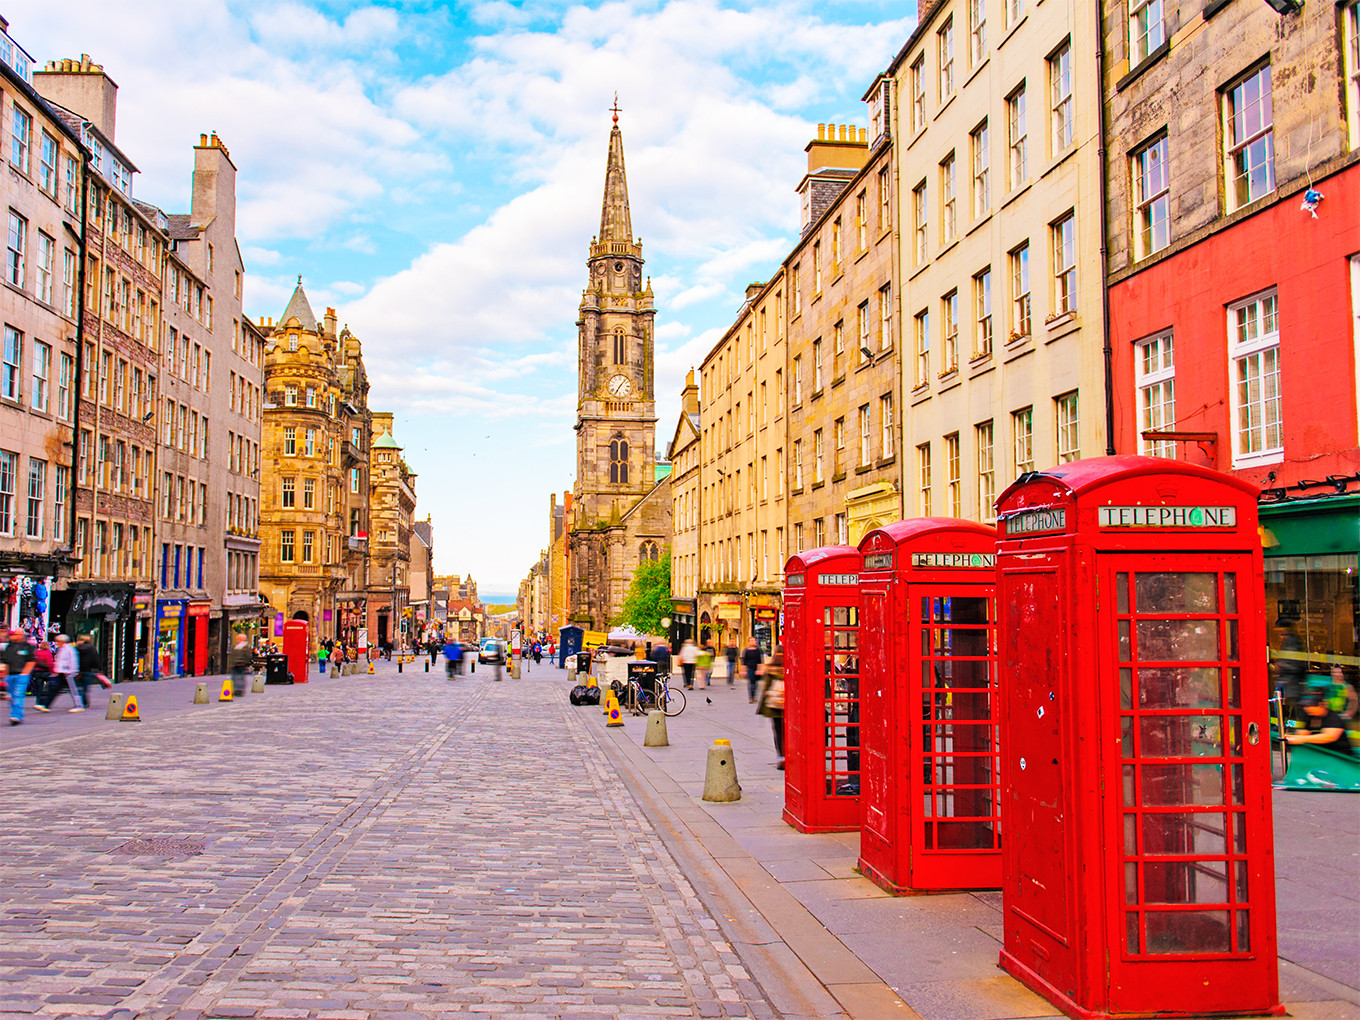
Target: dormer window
[292,342]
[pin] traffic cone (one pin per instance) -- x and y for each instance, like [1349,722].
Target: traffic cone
[615,716]
[370,667]
[130,713]
[226,694]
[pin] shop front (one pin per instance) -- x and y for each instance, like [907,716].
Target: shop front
[765,625]
[107,612]
[686,621]
[171,618]
[197,621]
[1312,561]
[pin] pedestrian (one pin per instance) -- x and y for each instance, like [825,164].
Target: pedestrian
[17,662]
[730,654]
[689,658]
[772,700]
[63,672]
[705,664]
[538,653]
[239,663]
[322,653]
[88,666]
[432,647]
[661,655]
[453,657]
[751,659]
[43,667]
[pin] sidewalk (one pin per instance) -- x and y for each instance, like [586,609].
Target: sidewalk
[795,900]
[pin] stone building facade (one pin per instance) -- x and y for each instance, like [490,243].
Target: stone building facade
[559,572]
[742,481]
[621,508]
[314,506]
[684,454]
[40,310]
[392,494]
[117,369]
[844,423]
[994,114]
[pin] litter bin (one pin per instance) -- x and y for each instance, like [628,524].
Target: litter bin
[582,663]
[645,673]
[276,669]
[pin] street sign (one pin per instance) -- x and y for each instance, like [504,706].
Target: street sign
[594,639]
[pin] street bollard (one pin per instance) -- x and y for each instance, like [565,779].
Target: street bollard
[400,661]
[656,730]
[514,669]
[257,685]
[571,677]
[115,709]
[427,667]
[201,694]
[720,778]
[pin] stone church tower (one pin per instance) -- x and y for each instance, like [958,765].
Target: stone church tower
[619,514]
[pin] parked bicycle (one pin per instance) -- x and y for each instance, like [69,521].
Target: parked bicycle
[640,700]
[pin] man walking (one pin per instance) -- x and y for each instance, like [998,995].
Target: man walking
[88,666]
[751,659]
[730,654]
[240,660]
[63,672]
[17,662]
[689,655]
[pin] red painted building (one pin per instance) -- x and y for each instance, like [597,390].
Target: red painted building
[1233,310]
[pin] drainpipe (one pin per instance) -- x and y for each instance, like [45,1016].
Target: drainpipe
[1108,349]
[79,381]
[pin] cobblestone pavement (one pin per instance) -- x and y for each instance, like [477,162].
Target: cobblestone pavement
[373,847]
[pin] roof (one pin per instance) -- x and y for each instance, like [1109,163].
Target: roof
[299,309]
[1081,476]
[900,532]
[386,442]
[820,555]
[180,227]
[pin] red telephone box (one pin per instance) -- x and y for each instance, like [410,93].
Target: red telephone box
[821,690]
[928,706]
[298,649]
[1138,864]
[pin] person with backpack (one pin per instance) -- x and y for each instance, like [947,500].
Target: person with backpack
[453,656]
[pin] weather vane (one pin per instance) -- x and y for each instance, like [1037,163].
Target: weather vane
[615,107]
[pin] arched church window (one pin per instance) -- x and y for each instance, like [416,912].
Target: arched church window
[618,347]
[618,462]
[648,552]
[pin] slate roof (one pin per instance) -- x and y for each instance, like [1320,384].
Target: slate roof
[299,308]
[180,227]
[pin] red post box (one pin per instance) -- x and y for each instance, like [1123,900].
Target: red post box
[1138,864]
[928,706]
[821,690]
[298,649]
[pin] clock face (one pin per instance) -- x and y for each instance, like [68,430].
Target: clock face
[619,386]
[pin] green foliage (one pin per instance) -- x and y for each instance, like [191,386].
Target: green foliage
[649,596]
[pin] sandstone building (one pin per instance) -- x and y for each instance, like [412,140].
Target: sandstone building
[621,503]
[392,504]
[684,453]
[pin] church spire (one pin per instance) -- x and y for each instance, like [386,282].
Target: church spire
[616,223]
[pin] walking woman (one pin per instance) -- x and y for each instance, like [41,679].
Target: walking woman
[772,700]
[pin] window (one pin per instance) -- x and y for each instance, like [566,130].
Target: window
[42,371]
[9,468]
[944,47]
[309,446]
[951,456]
[309,494]
[982,162]
[982,314]
[838,350]
[836,248]
[798,464]
[949,225]
[47,165]
[47,255]
[884,199]
[1016,136]
[1020,305]
[838,448]
[986,470]
[818,452]
[920,212]
[1015,10]
[1152,201]
[1069,442]
[61,486]
[311,396]
[865,454]
[308,541]
[885,417]
[290,440]
[290,396]
[1249,139]
[9,363]
[1146,30]
[619,354]
[885,317]
[1060,96]
[797,288]
[977,31]
[816,366]
[1156,368]
[286,546]
[918,94]
[861,221]
[923,478]
[862,331]
[618,461]
[72,183]
[37,494]
[949,316]
[65,374]
[68,282]
[922,348]
[798,380]
[816,268]
[1022,436]
[17,244]
[1254,347]
[1064,265]
[288,493]
[22,139]
[842,529]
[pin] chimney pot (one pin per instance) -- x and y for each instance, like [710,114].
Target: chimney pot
[821,132]
[842,132]
[202,140]
[863,136]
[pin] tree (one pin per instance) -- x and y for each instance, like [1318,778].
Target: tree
[649,596]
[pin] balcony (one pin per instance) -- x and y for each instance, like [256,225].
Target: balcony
[352,451]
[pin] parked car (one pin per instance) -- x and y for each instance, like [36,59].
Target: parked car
[492,652]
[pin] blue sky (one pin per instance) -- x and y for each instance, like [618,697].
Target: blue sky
[434,172]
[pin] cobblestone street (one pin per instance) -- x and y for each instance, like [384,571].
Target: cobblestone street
[394,846]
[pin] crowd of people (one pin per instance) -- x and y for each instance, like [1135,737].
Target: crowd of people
[47,669]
